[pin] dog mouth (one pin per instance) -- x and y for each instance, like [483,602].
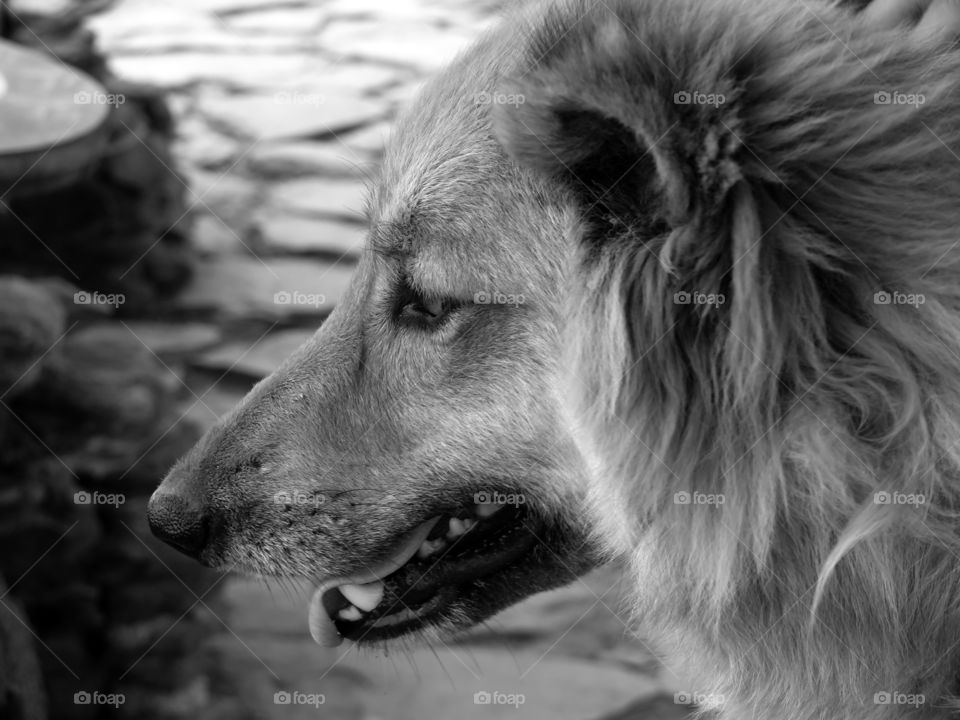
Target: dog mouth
[439,564]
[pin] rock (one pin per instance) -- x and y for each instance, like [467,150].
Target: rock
[66,545]
[104,372]
[259,360]
[320,197]
[290,114]
[68,668]
[83,599]
[54,120]
[241,286]
[294,234]
[168,265]
[21,682]
[295,159]
[32,321]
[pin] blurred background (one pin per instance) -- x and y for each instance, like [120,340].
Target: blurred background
[180,193]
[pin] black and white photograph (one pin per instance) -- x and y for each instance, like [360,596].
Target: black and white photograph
[480,359]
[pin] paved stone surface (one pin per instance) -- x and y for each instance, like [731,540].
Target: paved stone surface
[549,677]
[282,108]
[169,340]
[325,198]
[370,139]
[305,159]
[240,286]
[257,361]
[291,113]
[282,232]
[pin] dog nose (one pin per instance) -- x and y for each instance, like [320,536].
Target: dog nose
[177,523]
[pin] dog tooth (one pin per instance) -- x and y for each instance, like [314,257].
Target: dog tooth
[350,613]
[429,547]
[366,596]
[485,510]
[457,528]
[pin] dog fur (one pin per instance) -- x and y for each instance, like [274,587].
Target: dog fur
[553,162]
[798,199]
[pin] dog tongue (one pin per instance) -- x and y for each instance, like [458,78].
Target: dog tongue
[322,628]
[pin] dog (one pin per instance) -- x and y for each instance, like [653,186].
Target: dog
[668,282]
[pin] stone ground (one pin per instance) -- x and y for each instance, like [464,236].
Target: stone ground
[282,107]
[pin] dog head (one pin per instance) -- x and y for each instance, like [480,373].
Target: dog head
[602,233]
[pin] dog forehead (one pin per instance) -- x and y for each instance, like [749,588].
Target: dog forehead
[463,214]
[455,222]
[447,195]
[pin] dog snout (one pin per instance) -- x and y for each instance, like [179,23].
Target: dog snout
[178,522]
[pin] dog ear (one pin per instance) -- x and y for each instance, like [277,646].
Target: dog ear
[766,154]
[599,110]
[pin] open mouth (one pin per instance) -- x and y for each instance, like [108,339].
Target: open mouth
[432,566]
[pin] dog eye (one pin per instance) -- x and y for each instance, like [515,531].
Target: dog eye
[415,308]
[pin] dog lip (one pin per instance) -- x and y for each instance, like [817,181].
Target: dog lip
[428,595]
[322,628]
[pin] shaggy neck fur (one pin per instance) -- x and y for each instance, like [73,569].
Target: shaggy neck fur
[801,590]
